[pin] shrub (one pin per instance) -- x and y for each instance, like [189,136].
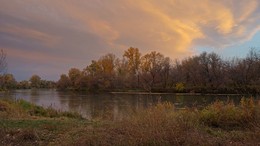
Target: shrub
[179,87]
[228,116]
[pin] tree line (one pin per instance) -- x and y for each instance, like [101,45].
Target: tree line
[153,72]
[8,81]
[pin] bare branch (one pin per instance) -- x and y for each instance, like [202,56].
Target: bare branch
[3,63]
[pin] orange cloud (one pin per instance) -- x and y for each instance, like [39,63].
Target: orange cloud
[87,21]
[185,32]
[173,27]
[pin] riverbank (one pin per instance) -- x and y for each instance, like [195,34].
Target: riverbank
[22,123]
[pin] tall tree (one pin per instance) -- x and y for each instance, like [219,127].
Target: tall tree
[3,67]
[74,76]
[93,70]
[165,72]
[191,71]
[133,61]
[151,66]
[3,63]
[107,63]
[64,82]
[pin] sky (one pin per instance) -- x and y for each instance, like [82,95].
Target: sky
[48,37]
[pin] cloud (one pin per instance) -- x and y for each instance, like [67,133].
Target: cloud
[77,32]
[35,35]
[206,23]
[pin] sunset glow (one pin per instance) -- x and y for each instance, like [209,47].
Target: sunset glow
[47,37]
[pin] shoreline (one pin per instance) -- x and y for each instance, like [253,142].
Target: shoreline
[168,93]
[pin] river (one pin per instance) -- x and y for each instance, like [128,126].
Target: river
[111,105]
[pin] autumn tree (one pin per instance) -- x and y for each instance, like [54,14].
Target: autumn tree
[9,81]
[133,60]
[35,81]
[94,72]
[23,84]
[107,63]
[64,82]
[101,74]
[206,72]
[94,69]
[151,66]
[122,80]
[74,76]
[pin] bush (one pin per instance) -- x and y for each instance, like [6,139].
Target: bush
[179,87]
[228,116]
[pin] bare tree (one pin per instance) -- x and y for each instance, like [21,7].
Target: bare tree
[3,63]
[3,67]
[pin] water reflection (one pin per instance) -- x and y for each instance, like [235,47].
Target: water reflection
[34,96]
[111,106]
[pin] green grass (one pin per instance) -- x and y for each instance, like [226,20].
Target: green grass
[22,123]
[22,108]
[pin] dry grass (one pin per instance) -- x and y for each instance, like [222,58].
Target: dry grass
[218,124]
[23,123]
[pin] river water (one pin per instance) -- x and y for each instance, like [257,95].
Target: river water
[111,105]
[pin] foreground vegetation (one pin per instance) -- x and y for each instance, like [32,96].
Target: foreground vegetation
[22,123]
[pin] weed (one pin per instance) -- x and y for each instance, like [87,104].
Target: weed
[221,123]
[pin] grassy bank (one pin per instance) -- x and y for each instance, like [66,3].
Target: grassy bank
[22,123]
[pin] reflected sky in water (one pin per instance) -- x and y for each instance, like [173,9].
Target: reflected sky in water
[111,106]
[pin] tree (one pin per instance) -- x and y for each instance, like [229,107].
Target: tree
[245,71]
[9,81]
[35,81]
[205,70]
[74,76]
[165,72]
[211,69]
[3,63]
[133,60]
[216,70]
[64,82]
[151,66]
[123,80]
[191,71]
[94,69]
[23,85]
[107,63]
[3,67]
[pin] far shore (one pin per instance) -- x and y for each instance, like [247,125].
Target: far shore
[184,94]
